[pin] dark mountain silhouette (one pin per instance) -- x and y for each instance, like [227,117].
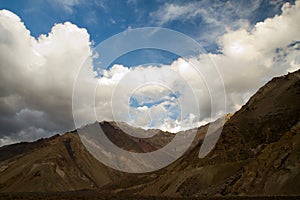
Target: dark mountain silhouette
[257,154]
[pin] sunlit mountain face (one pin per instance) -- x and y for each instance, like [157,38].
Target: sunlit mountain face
[65,64]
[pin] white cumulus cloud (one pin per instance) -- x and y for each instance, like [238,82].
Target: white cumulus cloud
[37,76]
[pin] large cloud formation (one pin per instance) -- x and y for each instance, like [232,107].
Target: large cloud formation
[37,76]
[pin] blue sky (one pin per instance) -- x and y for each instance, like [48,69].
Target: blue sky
[246,43]
[104,19]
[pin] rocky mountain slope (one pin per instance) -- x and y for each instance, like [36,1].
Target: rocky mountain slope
[258,153]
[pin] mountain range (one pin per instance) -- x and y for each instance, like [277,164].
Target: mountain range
[257,154]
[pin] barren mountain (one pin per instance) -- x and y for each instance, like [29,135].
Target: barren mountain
[258,154]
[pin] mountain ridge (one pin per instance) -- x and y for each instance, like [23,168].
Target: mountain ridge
[257,154]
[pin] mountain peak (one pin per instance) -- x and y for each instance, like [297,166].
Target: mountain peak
[256,154]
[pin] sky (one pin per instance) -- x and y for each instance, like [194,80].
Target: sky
[45,44]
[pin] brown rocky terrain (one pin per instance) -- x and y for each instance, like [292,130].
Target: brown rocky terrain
[258,154]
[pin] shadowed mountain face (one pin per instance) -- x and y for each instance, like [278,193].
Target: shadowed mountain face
[258,153]
[135,144]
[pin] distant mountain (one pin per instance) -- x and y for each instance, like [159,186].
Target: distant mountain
[258,154]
